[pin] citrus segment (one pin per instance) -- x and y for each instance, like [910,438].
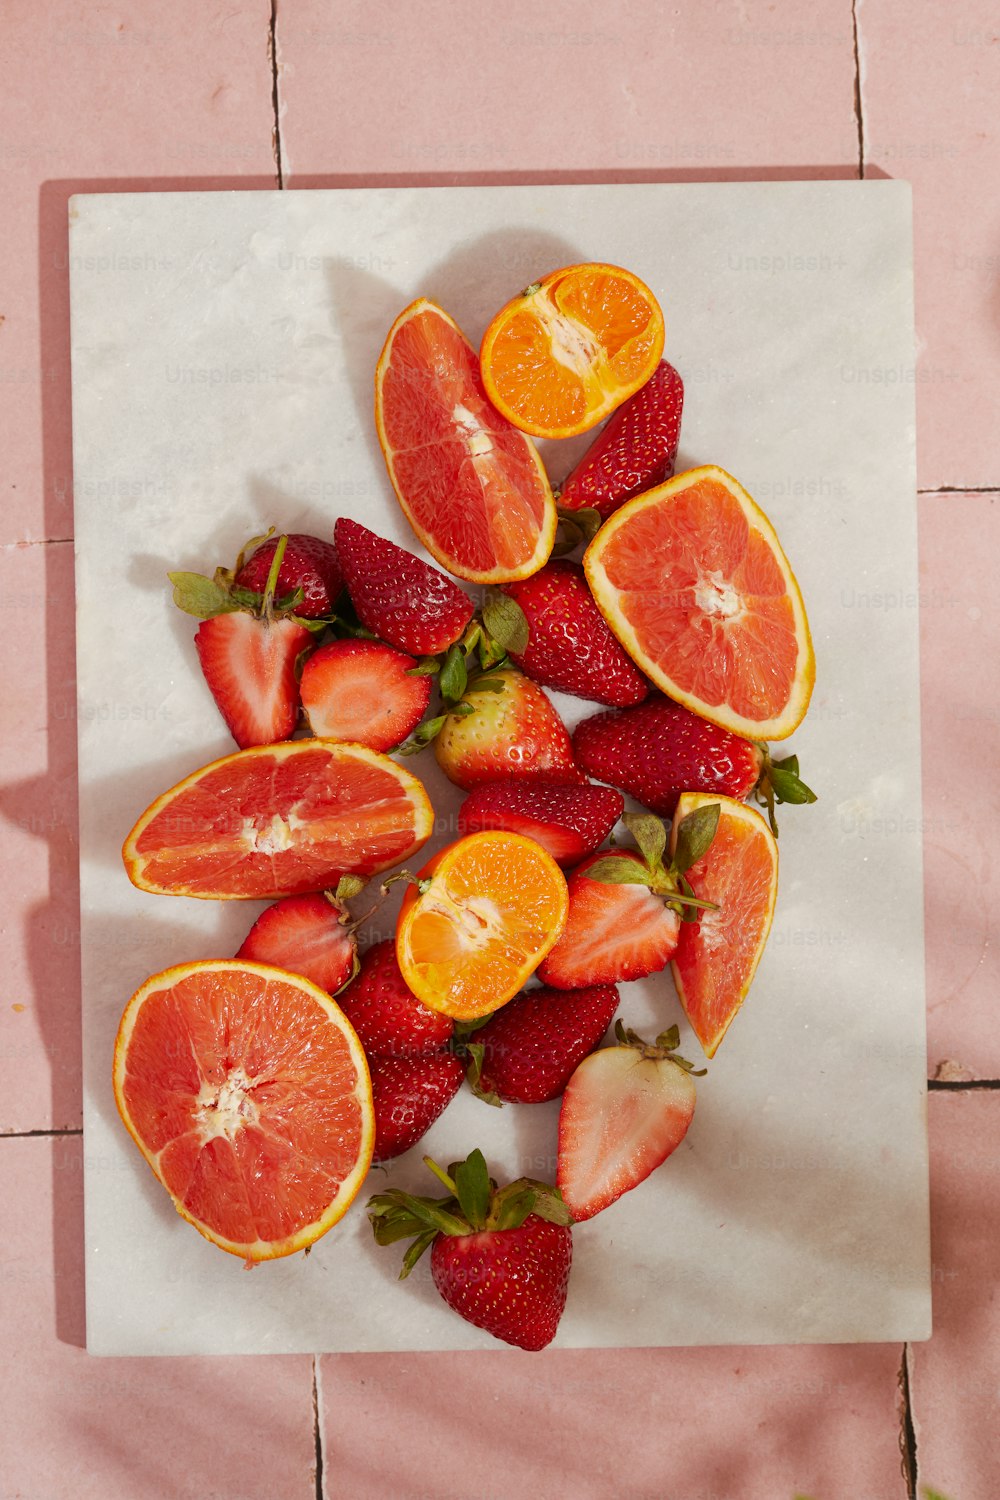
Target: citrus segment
[692,579]
[485,912]
[278,820]
[247,1091]
[562,355]
[717,957]
[472,487]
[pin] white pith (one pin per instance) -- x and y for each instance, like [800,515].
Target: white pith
[226,1109]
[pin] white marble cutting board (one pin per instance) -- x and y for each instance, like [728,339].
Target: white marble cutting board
[223,352]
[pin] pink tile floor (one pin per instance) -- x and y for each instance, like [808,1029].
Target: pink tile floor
[147,96]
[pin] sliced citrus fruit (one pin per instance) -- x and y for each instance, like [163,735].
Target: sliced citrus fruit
[247,1091]
[717,957]
[484,913]
[572,347]
[472,486]
[692,579]
[278,820]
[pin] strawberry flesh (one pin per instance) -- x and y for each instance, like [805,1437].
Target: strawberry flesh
[635,450]
[397,596]
[304,934]
[660,749]
[510,1282]
[386,1014]
[309,563]
[532,1046]
[570,645]
[249,665]
[569,821]
[613,932]
[409,1094]
[361,691]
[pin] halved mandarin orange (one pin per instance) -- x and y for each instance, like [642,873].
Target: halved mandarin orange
[573,346]
[278,820]
[484,913]
[693,581]
[716,958]
[247,1091]
[470,484]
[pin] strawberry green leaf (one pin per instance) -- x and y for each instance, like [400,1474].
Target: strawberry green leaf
[512,1205]
[549,1202]
[650,834]
[618,871]
[788,785]
[506,622]
[694,837]
[422,735]
[349,886]
[575,527]
[250,547]
[472,1184]
[474,1051]
[463,710]
[454,675]
[416,1250]
[426,667]
[201,597]
[487,685]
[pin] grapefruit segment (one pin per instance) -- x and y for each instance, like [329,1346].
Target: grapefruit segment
[247,1091]
[472,486]
[692,579]
[716,957]
[279,820]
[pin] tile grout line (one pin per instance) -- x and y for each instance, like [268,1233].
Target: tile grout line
[961,489]
[272,48]
[21,1135]
[36,541]
[907,1432]
[962,1085]
[317,1430]
[858,112]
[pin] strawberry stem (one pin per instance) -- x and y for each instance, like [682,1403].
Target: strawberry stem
[272,579]
[441,1175]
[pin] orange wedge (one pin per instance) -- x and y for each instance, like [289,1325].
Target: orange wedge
[279,820]
[692,579]
[484,913]
[717,957]
[573,346]
[472,486]
[247,1091]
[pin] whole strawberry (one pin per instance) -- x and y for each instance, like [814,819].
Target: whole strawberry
[386,1014]
[635,450]
[398,597]
[526,1052]
[409,1094]
[570,644]
[659,749]
[500,1257]
[309,564]
[569,821]
[504,726]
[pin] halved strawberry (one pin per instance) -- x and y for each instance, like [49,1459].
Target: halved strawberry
[635,450]
[626,907]
[249,665]
[527,1051]
[397,596]
[310,935]
[386,1014]
[625,1110]
[309,564]
[363,691]
[569,821]
[409,1094]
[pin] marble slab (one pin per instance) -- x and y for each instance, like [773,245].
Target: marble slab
[223,352]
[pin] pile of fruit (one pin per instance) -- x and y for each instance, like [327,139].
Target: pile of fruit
[261,1087]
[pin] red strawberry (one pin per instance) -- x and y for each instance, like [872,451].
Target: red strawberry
[363,691]
[504,726]
[309,935]
[660,749]
[570,644]
[635,450]
[527,1051]
[625,905]
[409,1093]
[499,1257]
[397,596]
[625,1109]
[568,821]
[249,665]
[388,1017]
[309,564]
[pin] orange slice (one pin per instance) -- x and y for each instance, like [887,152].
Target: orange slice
[717,957]
[485,912]
[472,487]
[572,347]
[279,820]
[692,580]
[247,1091]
